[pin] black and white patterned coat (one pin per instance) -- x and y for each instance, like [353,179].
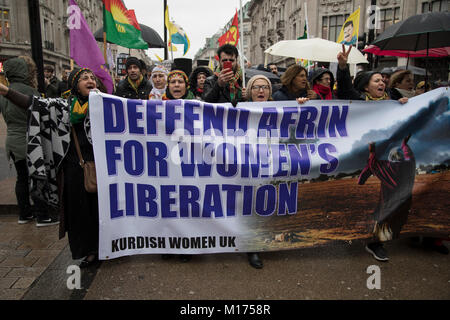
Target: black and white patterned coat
[48,143]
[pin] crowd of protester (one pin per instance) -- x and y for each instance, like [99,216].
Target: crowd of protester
[78,209]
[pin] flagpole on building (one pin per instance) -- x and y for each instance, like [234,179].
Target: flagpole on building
[241,43]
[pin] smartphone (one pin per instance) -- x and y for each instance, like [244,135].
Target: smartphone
[228,65]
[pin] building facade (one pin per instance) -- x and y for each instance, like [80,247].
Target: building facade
[276,20]
[15,31]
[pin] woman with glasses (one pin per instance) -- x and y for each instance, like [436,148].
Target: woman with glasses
[259,89]
[322,81]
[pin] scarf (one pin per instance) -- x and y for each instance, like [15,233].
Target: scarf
[370,98]
[135,85]
[406,93]
[187,96]
[323,92]
[234,87]
[156,94]
[78,110]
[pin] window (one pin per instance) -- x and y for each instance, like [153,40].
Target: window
[331,27]
[435,6]
[388,17]
[5,35]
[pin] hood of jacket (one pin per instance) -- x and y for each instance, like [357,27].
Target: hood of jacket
[16,70]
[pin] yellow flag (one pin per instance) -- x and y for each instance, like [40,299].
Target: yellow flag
[350,30]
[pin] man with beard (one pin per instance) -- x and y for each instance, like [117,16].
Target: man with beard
[226,84]
[134,86]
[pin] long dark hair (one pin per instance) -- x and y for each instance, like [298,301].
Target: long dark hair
[290,74]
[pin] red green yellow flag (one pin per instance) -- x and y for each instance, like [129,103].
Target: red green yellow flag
[121,25]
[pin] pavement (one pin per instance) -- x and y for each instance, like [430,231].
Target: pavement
[34,265]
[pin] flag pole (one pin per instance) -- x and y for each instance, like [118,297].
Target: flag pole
[241,44]
[166,54]
[307,30]
[104,45]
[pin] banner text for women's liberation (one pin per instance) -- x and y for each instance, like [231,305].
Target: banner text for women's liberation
[193,177]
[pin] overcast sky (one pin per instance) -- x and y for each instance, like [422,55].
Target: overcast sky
[200,19]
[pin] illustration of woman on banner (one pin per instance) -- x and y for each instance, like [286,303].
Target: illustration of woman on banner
[397,180]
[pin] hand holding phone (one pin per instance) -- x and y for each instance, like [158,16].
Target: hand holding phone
[228,65]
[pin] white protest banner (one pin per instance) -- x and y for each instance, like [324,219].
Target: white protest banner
[192,177]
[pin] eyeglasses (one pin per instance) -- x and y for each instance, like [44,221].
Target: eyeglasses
[231,60]
[257,88]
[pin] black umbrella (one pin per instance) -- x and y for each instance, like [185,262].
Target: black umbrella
[250,72]
[419,32]
[148,35]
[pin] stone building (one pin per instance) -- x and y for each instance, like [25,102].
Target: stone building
[15,30]
[276,20]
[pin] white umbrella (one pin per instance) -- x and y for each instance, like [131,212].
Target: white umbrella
[315,49]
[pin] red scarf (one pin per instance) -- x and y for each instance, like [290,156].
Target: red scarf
[323,91]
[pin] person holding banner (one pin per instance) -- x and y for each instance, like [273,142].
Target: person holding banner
[367,86]
[21,73]
[225,85]
[177,86]
[295,85]
[402,85]
[54,166]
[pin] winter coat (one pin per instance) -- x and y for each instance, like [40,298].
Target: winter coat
[213,93]
[16,70]
[52,90]
[125,90]
[284,94]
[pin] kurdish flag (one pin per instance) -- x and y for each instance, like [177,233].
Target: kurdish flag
[121,26]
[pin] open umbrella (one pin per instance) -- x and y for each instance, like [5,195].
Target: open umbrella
[432,52]
[419,32]
[148,35]
[413,69]
[250,72]
[315,49]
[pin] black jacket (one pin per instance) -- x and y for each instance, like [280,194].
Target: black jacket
[395,94]
[283,94]
[345,89]
[125,90]
[215,94]
[52,91]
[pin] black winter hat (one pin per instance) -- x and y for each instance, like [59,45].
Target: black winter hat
[317,74]
[362,79]
[135,61]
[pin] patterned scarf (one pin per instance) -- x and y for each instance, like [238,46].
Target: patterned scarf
[234,87]
[370,98]
[135,85]
[78,110]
